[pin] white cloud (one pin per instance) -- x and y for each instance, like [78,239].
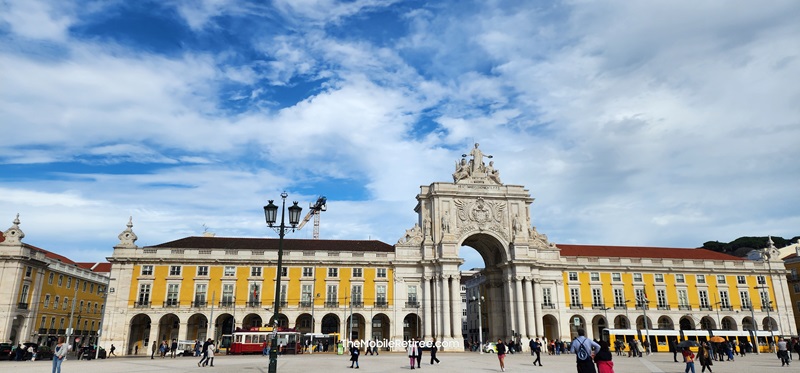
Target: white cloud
[37,19]
[662,125]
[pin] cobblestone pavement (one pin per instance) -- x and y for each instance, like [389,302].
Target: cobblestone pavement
[390,362]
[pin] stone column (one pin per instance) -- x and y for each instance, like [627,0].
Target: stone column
[367,327]
[521,316]
[455,304]
[508,307]
[443,302]
[436,309]
[427,307]
[537,306]
[154,337]
[530,316]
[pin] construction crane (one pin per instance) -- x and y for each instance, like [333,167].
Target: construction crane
[314,210]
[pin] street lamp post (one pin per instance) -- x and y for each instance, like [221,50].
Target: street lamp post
[102,318]
[71,314]
[643,302]
[271,213]
[753,328]
[480,323]
[313,320]
[627,318]
[605,310]
[769,319]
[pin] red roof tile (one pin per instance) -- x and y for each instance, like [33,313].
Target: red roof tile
[50,254]
[642,252]
[272,244]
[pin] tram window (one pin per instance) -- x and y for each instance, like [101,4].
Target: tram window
[248,338]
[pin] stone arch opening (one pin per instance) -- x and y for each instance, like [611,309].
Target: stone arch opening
[252,320]
[380,328]
[665,323]
[197,327]
[303,323]
[686,323]
[223,325]
[728,323]
[490,282]
[707,323]
[330,324]
[747,323]
[642,323]
[280,320]
[139,334]
[576,322]
[168,327]
[769,324]
[622,322]
[550,327]
[412,326]
[355,325]
[599,323]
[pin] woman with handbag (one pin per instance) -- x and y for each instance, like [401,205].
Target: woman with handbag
[705,358]
[688,358]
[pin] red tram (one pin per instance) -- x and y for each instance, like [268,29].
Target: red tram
[254,341]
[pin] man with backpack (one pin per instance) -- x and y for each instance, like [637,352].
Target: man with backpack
[583,348]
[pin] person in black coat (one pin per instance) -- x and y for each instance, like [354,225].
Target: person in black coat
[433,352]
[354,355]
[420,344]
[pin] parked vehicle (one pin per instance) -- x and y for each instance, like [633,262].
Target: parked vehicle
[5,351]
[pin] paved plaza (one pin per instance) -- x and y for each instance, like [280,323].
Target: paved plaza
[389,362]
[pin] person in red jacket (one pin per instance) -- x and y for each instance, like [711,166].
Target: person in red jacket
[688,358]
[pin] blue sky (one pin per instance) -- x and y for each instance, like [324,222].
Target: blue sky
[631,123]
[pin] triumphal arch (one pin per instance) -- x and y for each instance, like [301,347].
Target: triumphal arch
[479,211]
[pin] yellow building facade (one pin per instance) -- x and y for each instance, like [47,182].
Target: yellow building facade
[45,294]
[208,287]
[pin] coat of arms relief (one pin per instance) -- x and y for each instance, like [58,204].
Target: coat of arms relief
[481,215]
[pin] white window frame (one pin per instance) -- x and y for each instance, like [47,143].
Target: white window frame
[229,271]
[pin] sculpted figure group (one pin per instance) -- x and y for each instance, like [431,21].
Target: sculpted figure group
[466,169]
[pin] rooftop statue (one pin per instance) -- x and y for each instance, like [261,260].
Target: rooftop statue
[475,168]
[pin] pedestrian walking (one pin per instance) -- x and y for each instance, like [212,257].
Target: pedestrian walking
[154,348]
[173,348]
[501,354]
[59,353]
[111,351]
[420,345]
[136,349]
[582,348]
[353,355]
[705,358]
[536,350]
[783,352]
[204,352]
[434,349]
[412,350]
[673,347]
[688,358]
[210,353]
